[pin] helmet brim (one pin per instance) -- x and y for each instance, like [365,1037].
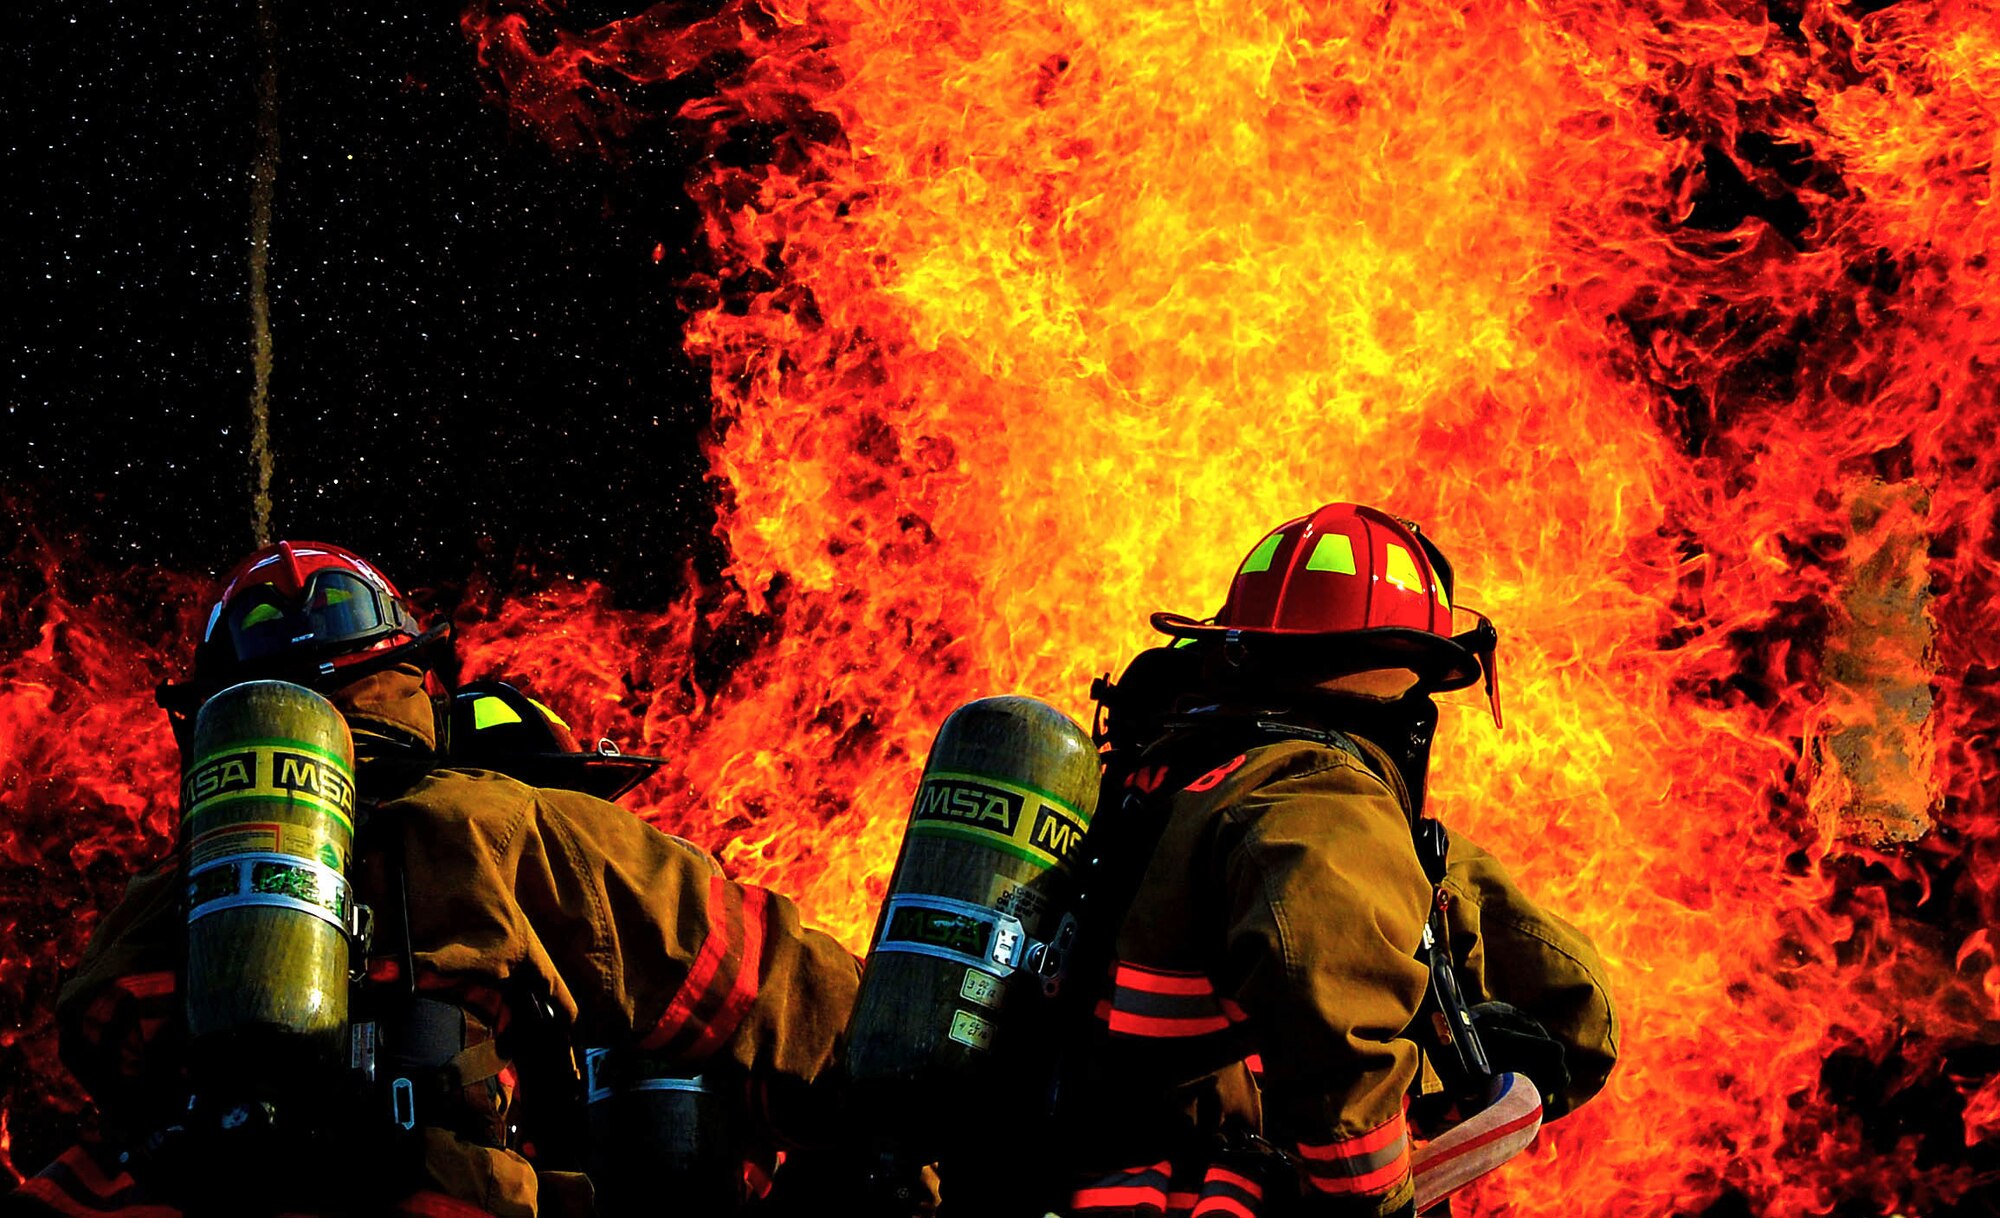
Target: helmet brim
[1443,662]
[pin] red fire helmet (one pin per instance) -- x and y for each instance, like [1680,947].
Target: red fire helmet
[1352,586]
[303,605]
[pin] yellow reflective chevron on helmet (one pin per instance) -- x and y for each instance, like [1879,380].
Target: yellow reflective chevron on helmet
[259,614]
[1260,558]
[1402,569]
[492,712]
[1333,552]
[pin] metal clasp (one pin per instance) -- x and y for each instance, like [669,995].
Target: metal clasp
[1050,961]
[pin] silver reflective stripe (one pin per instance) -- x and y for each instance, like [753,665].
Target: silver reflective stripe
[602,1078]
[266,900]
[667,1084]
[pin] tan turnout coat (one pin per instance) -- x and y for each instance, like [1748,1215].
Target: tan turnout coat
[636,938]
[1265,971]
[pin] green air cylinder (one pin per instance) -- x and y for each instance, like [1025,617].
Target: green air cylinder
[267,828]
[975,925]
[658,1131]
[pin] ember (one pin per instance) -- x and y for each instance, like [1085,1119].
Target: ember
[1673,319]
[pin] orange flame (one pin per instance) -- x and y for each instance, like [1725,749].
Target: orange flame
[1037,315]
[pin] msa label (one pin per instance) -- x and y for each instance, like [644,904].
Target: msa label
[971,1031]
[276,770]
[999,815]
[967,801]
[306,774]
[222,774]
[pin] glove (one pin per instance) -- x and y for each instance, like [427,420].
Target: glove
[1516,1043]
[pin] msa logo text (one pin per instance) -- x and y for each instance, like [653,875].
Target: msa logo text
[305,772]
[1055,831]
[969,803]
[220,775]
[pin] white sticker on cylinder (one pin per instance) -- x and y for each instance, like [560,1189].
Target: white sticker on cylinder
[970,1030]
[982,988]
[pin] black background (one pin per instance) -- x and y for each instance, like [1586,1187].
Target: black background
[477,350]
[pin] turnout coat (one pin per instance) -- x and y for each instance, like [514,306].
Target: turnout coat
[634,937]
[1251,1027]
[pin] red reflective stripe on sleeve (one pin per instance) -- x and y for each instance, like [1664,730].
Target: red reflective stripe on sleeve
[1160,1026]
[1225,1176]
[749,967]
[1132,977]
[1360,1144]
[1223,1205]
[1132,1188]
[1182,1202]
[714,946]
[147,985]
[1122,1196]
[1381,1180]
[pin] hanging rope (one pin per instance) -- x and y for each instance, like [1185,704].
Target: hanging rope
[263,183]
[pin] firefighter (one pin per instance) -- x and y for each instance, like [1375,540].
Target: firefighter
[512,923]
[1268,1011]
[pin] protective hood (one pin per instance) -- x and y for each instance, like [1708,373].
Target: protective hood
[393,702]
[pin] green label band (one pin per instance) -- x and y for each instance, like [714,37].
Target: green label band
[287,770]
[1000,815]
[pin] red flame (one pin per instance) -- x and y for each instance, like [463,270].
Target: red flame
[84,798]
